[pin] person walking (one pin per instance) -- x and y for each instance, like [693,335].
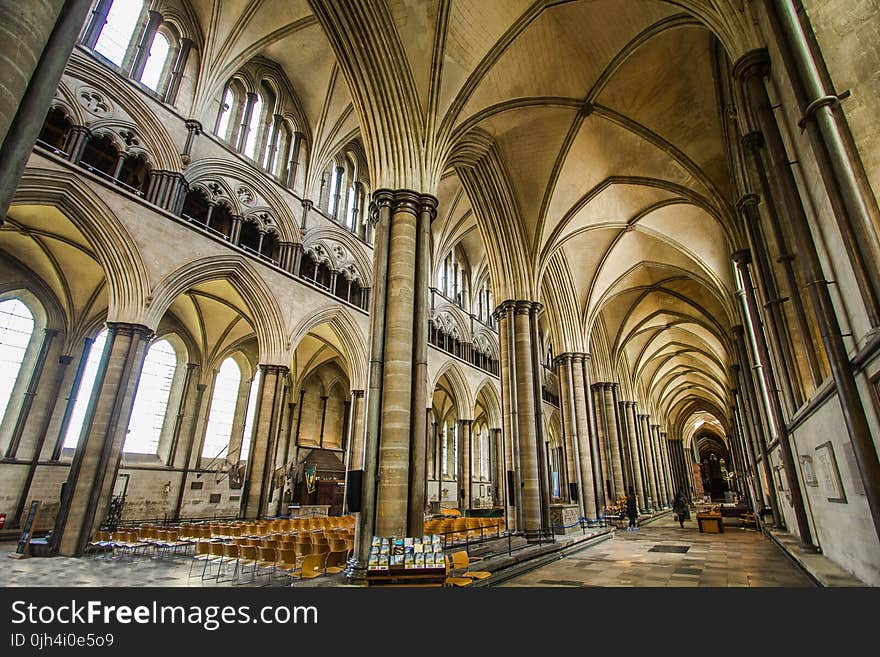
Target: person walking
[680,508]
[632,511]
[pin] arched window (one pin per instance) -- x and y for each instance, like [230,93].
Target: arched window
[151,399]
[100,154]
[222,413]
[196,206]
[282,154]
[271,246]
[135,173]
[337,175]
[156,62]
[221,220]
[87,384]
[249,236]
[55,130]
[16,329]
[226,107]
[117,32]
[253,128]
[249,417]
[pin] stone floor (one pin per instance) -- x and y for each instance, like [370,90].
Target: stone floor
[126,570]
[661,554]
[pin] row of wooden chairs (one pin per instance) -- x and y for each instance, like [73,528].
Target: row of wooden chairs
[460,529]
[272,561]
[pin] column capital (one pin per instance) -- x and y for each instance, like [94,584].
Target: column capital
[754,62]
[522,307]
[561,359]
[279,370]
[737,331]
[125,328]
[502,309]
[65,359]
[746,201]
[357,394]
[193,126]
[466,423]
[742,257]
[307,204]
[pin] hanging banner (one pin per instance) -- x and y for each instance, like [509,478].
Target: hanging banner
[310,478]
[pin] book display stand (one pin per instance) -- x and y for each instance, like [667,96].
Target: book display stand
[406,561]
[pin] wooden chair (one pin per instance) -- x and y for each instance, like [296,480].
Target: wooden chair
[336,561]
[453,580]
[313,565]
[461,561]
[248,557]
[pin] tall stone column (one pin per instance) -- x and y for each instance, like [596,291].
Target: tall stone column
[60,370]
[37,39]
[742,259]
[565,374]
[591,446]
[583,457]
[662,493]
[598,391]
[649,463]
[634,453]
[465,454]
[92,473]
[760,436]
[358,408]
[30,393]
[753,145]
[613,440]
[393,499]
[504,317]
[498,466]
[531,443]
[751,69]
[667,466]
[518,384]
[255,496]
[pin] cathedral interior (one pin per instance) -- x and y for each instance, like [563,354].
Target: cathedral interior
[470,268]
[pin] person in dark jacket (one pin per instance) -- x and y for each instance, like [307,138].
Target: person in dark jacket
[632,511]
[680,508]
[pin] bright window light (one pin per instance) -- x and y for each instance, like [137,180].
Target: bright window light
[16,328]
[250,146]
[118,30]
[151,400]
[71,436]
[249,417]
[222,409]
[156,61]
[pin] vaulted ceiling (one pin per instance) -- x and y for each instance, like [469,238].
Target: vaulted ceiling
[579,150]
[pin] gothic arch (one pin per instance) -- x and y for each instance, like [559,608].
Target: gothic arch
[464,400]
[349,334]
[266,314]
[127,278]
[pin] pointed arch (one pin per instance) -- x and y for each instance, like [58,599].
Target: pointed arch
[350,335]
[464,400]
[127,279]
[266,314]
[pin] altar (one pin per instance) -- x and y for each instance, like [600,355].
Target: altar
[564,515]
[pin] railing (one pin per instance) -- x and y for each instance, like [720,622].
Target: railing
[110,179]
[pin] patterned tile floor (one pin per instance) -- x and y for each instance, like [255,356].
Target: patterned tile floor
[661,554]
